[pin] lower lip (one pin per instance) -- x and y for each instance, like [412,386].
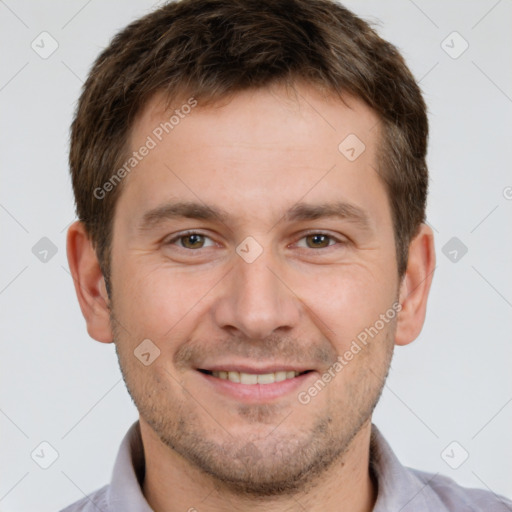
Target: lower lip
[257,393]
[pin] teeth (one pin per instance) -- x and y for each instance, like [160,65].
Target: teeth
[251,378]
[279,376]
[248,378]
[266,378]
[232,376]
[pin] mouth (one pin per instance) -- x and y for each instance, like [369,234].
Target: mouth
[254,378]
[252,385]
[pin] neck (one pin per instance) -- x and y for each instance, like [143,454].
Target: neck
[173,484]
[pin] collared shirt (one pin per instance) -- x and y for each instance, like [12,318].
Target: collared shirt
[400,489]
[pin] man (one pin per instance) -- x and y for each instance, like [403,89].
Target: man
[250,182]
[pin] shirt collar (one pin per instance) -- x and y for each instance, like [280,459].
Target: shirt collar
[125,490]
[399,488]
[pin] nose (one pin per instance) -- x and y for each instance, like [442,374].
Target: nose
[256,300]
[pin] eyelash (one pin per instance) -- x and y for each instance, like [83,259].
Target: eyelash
[190,233]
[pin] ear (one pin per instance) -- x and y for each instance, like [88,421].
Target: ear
[415,286]
[89,283]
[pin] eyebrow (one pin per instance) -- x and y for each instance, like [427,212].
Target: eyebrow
[299,212]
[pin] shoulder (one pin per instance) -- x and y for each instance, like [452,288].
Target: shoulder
[462,499]
[92,503]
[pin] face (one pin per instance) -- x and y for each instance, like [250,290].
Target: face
[252,252]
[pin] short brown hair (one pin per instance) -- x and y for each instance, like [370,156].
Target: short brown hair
[210,49]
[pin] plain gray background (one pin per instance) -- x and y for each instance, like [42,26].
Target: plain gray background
[452,384]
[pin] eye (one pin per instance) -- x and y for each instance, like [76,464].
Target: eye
[320,241]
[190,240]
[194,240]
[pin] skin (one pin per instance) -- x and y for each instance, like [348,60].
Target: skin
[301,302]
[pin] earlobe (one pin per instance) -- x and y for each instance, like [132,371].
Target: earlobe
[415,286]
[89,283]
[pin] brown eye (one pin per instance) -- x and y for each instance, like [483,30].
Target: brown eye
[318,241]
[193,241]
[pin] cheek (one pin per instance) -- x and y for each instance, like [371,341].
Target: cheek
[353,300]
[157,301]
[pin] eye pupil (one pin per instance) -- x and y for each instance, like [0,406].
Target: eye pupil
[319,238]
[195,240]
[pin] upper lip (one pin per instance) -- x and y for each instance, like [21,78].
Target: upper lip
[245,368]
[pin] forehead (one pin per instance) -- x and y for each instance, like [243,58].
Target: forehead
[255,110]
[256,150]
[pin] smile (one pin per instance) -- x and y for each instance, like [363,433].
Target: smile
[252,378]
[266,386]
